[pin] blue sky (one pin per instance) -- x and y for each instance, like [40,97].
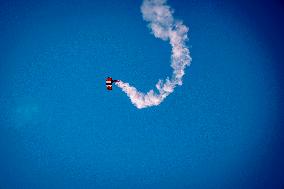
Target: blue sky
[60,127]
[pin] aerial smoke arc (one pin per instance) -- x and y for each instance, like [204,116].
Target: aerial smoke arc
[165,27]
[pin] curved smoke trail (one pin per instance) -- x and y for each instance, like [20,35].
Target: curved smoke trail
[163,26]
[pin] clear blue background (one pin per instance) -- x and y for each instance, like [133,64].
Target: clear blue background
[60,127]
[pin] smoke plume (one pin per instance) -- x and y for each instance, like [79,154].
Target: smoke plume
[163,26]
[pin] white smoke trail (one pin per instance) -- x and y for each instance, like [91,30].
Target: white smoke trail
[163,26]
